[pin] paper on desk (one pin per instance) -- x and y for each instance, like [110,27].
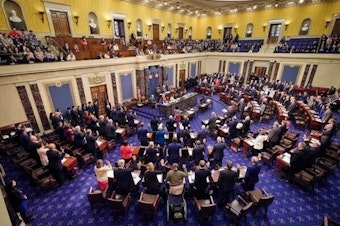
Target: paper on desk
[160,178]
[135,178]
[63,160]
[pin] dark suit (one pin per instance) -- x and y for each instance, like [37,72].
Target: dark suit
[151,182]
[198,154]
[151,155]
[218,153]
[200,183]
[173,152]
[142,136]
[110,131]
[154,124]
[55,165]
[251,177]
[226,182]
[124,182]
[274,136]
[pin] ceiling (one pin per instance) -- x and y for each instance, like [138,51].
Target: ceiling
[219,7]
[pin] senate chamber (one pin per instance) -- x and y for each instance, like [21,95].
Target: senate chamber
[166,112]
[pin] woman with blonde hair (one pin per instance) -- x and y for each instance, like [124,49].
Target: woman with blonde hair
[101,173]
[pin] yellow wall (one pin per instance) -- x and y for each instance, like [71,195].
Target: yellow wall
[318,13]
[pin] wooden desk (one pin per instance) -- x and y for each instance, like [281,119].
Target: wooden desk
[282,162]
[205,105]
[248,145]
[187,101]
[70,163]
[189,113]
[223,131]
[216,173]
[121,132]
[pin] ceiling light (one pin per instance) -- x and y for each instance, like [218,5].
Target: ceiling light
[268,6]
[249,9]
[301,1]
[276,5]
[255,6]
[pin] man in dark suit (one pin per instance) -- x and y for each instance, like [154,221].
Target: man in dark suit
[198,152]
[54,163]
[274,136]
[202,134]
[124,182]
[226,182]
[142,134]
[173,151]
[171,126]
[200,183]
[218,151]
[154,123]
[110,130]
[298,159]
[252,175]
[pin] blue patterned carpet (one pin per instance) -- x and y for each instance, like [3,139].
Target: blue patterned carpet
[68,205]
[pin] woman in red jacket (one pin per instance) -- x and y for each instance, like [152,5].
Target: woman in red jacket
[126,151]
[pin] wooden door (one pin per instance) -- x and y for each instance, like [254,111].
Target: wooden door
[274,33]
[182,79]
[180,33]
[99,96]
[155,32]
[336,27]
[260,70]
[227,35]
[60,23]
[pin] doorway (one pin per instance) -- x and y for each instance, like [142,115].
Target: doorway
[336,27]
[227,35]
[155,32]
[60,23]
[274,33]
[99,96]
[260,71]
[180,33]
[182,79]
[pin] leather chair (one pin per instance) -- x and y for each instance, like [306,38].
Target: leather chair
[119,203]
[43,178]
[205,208]
[95,197]
[111,144]
[148,204]
[261,199]
[84,158]
[238,209]
[304,179]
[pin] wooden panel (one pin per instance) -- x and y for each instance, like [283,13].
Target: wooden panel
[155,32]
[60,23]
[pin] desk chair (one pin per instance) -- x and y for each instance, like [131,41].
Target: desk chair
[238,209]
[95,197]
[205,208]
[148,204]
[119,203]
[261,199]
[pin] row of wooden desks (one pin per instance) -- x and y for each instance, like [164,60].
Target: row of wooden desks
[281,111]
[314,119]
